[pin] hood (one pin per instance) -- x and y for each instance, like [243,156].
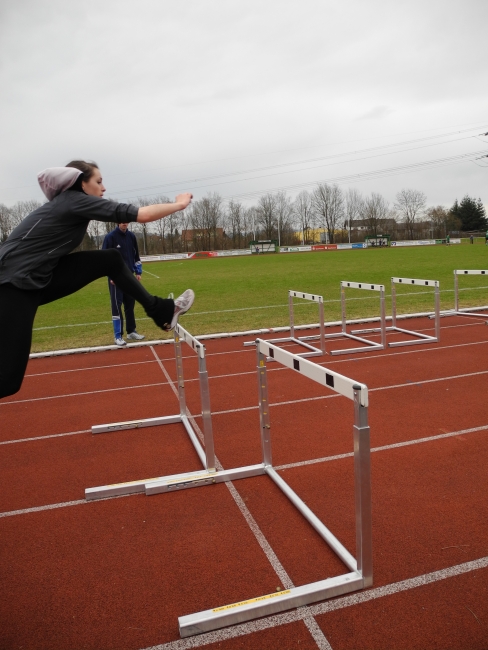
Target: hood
[55,180]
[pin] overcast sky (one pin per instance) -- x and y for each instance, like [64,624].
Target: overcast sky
[168,96]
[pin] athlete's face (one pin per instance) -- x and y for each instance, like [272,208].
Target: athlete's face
[94,187]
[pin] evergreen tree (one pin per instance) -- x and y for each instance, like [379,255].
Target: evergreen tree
[471,213]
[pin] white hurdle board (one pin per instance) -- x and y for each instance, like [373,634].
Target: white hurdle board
[206,454]
[360,568]
[368,345]
[311,351]
[420,336]
[469,311]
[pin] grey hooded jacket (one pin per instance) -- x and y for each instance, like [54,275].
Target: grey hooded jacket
[33,249]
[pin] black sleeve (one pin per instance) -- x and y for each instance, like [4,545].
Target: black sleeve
[94,208]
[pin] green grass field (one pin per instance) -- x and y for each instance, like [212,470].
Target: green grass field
[241,293]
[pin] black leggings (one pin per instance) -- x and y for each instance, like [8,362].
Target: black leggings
[18,307]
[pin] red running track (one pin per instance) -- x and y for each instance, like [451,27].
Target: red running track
[116,574]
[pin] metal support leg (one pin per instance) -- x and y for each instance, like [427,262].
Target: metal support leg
[362,474]
[264,409]
[343,309]
[322,328]
[179,374]
[292,319]
[437,314]
[206,415]
[383,318]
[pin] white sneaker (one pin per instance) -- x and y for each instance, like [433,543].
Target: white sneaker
[120,342]
[134,336]
[182,305]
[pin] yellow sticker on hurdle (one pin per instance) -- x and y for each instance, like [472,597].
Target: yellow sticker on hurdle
[251,601]
[188,479]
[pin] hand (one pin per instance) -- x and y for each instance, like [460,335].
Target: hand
[184,199]
[138,277]
[112,282]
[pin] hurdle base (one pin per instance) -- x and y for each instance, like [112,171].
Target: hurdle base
[136,424]
[421,338]
[314,352]
[235,613]
[369,345]
[198,479]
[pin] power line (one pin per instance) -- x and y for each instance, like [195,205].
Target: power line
[190,181]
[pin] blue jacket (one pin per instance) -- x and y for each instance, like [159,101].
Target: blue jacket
[126,244]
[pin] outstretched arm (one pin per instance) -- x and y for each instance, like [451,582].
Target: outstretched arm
[160,210]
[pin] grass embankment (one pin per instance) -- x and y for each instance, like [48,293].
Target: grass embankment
[227,287]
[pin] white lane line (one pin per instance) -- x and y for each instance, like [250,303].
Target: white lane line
[54,435]
[302,463]
[323,608]
[279,569]
[250,349]
[51,506]
[395,445]
[115,365]
[108,390]
[91,392]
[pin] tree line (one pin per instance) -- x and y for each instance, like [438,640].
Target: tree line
[327,212]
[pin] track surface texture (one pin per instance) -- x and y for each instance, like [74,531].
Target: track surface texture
[117,573]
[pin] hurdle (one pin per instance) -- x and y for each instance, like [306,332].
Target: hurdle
[465,311]
[360,574]
[206,454]
[300,340]
[421,338]
[369,345]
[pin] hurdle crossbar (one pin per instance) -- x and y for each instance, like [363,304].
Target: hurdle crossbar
[206,454]
[311,351]
[360,568]
[465,311]
[421,338]
[368,345]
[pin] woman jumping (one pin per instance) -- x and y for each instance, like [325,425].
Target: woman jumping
[36,268]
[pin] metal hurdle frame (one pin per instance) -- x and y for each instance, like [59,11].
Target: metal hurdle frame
[300,340]
[424,338]
[360,573]
[465,312]
[206,454]
[369,345]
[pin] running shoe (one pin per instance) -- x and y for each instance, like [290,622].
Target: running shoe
[134,336]
[120,342]
[182,304]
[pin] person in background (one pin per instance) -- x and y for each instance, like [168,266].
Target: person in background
[125,242]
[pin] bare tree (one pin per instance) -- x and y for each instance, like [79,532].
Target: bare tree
[207,218]
[304,215]
[353,209]
[267,215]
[442,221]
[5,222]
[284,210]
[375,213]
[410,205]
[236,222]
[21,209]
[96,230]
[251,222]
[328,205]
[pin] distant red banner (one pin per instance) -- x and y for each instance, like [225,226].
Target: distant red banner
[325,247]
